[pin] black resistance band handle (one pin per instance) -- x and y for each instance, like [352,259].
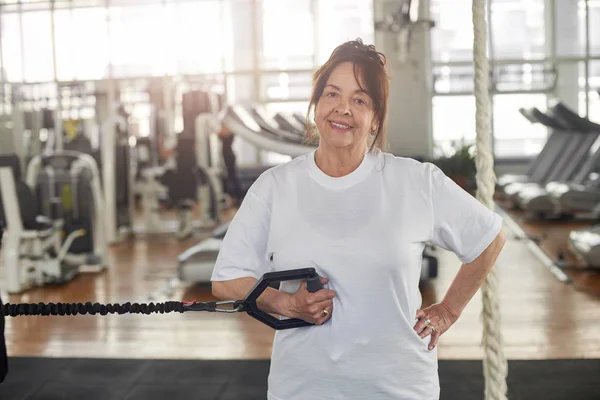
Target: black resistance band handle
[314,284]
[249,303]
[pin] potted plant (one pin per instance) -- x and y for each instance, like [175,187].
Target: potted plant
[460,167]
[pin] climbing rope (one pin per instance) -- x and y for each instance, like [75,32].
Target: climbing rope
[495,366]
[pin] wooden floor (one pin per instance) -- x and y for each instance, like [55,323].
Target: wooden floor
[541,317]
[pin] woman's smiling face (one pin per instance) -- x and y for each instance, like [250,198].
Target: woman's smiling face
[344,113]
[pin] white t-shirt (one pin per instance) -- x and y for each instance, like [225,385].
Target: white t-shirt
[365,232]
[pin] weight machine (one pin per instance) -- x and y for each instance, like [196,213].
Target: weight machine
[34,252]
[118,175]
[197,157]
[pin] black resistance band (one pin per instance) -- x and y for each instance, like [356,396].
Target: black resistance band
[248,304]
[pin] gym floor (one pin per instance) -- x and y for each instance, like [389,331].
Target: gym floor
[542,318]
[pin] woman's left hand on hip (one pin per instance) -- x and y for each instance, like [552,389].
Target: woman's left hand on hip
[434,320]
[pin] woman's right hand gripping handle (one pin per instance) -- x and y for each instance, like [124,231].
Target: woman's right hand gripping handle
[311,302]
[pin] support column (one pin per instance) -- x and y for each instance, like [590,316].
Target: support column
[246,87]
[564,34]
[410,131]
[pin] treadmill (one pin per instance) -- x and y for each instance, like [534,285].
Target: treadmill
[256,127]
[585,244]
[253,125]
[301,118]
[563,166]
[289,123]
[271,126]
[540,166]
[544,200]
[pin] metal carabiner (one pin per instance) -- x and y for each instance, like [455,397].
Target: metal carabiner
[237,307]
[212,306]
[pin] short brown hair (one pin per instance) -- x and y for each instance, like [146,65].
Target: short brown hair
[371,65]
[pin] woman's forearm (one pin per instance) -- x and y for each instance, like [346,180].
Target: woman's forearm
[471,276]
[271,301]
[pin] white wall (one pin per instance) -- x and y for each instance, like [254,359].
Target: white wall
[566,44]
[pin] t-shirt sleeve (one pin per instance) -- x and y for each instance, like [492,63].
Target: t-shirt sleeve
[243,250]
[461,223]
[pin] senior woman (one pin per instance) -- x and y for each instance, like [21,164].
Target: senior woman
[361,217]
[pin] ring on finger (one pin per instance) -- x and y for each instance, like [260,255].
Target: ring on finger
[325,312]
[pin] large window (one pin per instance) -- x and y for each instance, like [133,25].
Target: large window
[524,77]
[286,86]
[594,93]
[453,122]
[145,38]
[288,34]
[138,40]
[240,88]
[196,43]
[81,37]
[452,38]
[238,19]
[37,46]
[453,78]
[518,29]
[514,135]
[569,24]
[538,51]
[594,10]
[11,48]
[261,51]
[342,20]
[594,98]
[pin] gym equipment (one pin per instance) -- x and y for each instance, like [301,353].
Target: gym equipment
[190,175]
[34,252]
[196,264]
[67,185]
[117,176]
[300,118]
[253,126]
[585,245]
[150,187]
[577,199]
[569,196]
[288,123]
[542,164]
[197,102]
[256,127]
[565,166]
[247,305]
